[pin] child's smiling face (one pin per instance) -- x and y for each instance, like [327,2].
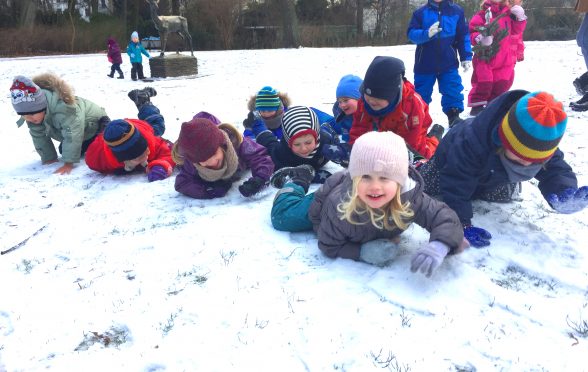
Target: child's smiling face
[376,191]
[376,103]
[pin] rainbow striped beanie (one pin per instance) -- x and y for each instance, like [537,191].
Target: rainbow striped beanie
[533,127]
[267,99]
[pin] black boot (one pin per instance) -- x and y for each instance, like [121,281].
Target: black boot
[580,105]
[476,110]
[452,116]
[581,84]
[111,75]
[301,175]
[141,96]
[436,131]
[121,76]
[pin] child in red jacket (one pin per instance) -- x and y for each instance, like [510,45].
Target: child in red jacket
[128,146]
[390,103]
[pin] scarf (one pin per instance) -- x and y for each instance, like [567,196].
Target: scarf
[517,172]
[229,167]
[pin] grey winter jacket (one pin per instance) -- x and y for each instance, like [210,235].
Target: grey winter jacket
[339,238]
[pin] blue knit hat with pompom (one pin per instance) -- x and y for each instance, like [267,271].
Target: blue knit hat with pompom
[125,140]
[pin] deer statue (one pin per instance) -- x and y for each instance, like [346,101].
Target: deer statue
[167,24]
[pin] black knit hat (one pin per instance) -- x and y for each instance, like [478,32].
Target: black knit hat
[125,140]
[383,78]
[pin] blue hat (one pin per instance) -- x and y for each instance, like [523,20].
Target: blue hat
[383,78]
[349,87]
[135,34]
[267,100]
[125,141]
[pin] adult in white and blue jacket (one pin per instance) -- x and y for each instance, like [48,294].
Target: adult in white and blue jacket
[440,31]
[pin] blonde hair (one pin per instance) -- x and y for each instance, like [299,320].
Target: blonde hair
[380,218]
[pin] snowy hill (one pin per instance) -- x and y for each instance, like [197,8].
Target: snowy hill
[119,274]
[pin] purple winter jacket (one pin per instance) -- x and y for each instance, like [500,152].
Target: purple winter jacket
[114,51]
[251,156]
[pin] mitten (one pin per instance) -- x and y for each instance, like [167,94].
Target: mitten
[248,122]
[466,65]
[132,55]
[337,153]
[258,127]
[321,176]
[477,236]
[434,29]
[484,40]
[519,12]
[570,200]
[427,259]
[252,186]
[378,252]
[157,173]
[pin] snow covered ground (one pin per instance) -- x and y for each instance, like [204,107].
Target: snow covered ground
[119,274]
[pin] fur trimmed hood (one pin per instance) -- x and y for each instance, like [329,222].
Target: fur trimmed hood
[283,97]
[54,83]
[234,135]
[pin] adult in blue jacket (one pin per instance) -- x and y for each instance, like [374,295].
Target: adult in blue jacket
[514,139]
[440,32]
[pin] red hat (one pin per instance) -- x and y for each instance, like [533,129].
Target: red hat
[199,139]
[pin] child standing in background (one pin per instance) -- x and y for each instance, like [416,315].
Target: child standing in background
[211,157]
[359,212]
[115,58]
[440,31]
[134,50]
[497,53]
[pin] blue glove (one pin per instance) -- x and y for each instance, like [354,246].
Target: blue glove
[337,153]
[321,176]
[258,127]
[132,55]
[157,173]
[570,200]
[477,236]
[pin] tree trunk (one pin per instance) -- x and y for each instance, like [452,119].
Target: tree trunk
[289,23]
[359,18]
[71,5]
[28,12]
[93,7]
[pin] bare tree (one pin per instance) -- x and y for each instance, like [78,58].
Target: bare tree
[289,23]
[224,18]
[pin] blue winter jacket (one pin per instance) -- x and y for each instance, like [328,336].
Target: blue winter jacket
[469,164]
[134,50]
[439,54]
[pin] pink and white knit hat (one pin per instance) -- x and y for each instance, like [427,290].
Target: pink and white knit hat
[381,154]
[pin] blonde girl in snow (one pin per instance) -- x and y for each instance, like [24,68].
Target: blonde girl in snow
[360,212]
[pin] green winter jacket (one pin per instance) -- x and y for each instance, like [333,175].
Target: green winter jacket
[70,124]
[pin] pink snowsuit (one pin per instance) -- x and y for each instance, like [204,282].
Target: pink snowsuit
[493,77]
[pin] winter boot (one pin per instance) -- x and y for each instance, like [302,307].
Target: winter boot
[121,76]
[580,105]
[436,131]
[476,110]
[111,75]
[581,84]
[301,175]
[452,117]
[141,96]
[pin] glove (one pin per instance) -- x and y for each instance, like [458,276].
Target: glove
[252,186]
[466,65]
[248,122]
[378,252]
[484,40]
[427,259]
[321,176]
[434,29]
[258,127]
[337,153]
[570,200]
[132,55]
[519,12]
[477,236]
[157,173]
